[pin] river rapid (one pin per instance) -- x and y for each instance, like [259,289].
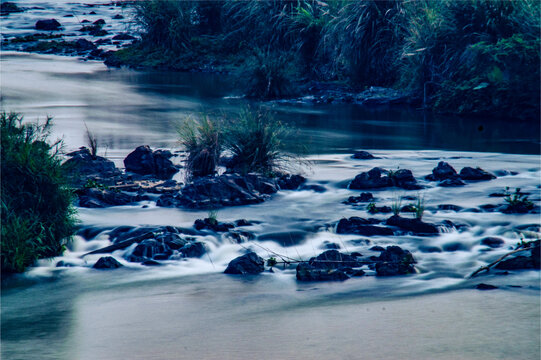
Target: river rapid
[188,309]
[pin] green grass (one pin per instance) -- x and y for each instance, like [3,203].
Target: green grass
[37,216]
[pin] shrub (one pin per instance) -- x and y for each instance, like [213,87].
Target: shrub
[256,141]
[202,140]
[37,216]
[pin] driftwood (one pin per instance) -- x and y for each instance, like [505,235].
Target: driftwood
[487,267]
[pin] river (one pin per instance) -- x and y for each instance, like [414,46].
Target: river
[190,310]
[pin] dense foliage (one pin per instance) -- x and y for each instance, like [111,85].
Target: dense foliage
[37,216]
[442,51]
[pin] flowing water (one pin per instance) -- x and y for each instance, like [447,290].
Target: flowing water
[188,309]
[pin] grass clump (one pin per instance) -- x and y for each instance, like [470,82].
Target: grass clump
[37,215]
[202,139]
[256,142]
[419,207]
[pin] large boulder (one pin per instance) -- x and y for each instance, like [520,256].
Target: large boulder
[82,166]
[8,7]
[395,261]
[330,265]
[107,262]
[49,25]
[290,182]
[521,262]
[359,226]
[144,161]
[475,174]
[379,178]
[416,226]
[250,263]
[442,172]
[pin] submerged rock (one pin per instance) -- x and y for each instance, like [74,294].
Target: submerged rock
[493,242]
[49,25]
[123,37]
[485,287]
[363,155]
[477,174]
[144,161]
[364,197]
[416,226]
[246,264]
[357,225]
[107,262]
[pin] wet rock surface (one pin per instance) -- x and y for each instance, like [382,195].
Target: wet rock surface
[101,198]
[416,226]
[379,178]
[395,261]
[107,262]
[475,174]
[360,226]
[248,264]
[83,166]
[363,155]
[144,161]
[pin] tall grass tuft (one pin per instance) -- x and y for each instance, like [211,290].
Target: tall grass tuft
[256,141]
[37,216]
[201,137]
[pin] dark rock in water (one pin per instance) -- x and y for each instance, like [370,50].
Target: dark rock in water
[416,226]
[485,287]
[377,248]
[519,208]
[449,207]
[238,236]
[330,246]
[290,182]
[148,249]
[505,173]
[379,209]
[82,166]
[118,17]
[451,182]
[193,249]
[363,155]
[429,249]
[49,25]
[99,22]
[307,272]
[313,187]
[477,174]
[242,222]
[107,262]
[97,198]
[364,197]
[103,42]
[408,209]
[150,263]
[285,238]
[83,44]
[63,263]
[489,207]
[224,190]
[144,161]
[454,246]
[516,263]
[374,179]
[8,7]
[356,225]
[333,259]
[212,224]
[250,263]
[442,172]
[493,242]
[123,37]
[536,255]
[395,261]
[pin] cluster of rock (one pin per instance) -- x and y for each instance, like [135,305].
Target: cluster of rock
[378,178]
[368,227]
[447,175]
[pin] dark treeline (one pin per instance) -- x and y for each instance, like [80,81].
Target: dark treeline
[472,56]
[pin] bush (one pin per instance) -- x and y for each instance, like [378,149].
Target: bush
[202,140]
[37,216]
[256,141]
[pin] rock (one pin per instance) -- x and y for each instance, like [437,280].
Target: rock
[290,182]
[118,17]
[49,25]
[373,179]
[8,7]
[148,249]
[377,248]
[377,96]
[212,224]
[103,42]
[313,187]
[242,222]
[99,22]
[516,263]
[363,155]
[364,197]
[101,198]
[454,246]
[123,37]
[416,226]
[443,171]
[238,236]
[150,263]
[107,262]
[476,174]
[518,208]
[333,259]
[330,246]
[451,182]
[429,249]
[82,166]
[223,190]
[285,238]
[144,161]
[493,242]
[449,207]
[307,272]
[83,44]
[250,263]
[485,287]
[193,249]
[356,225]
[395,261]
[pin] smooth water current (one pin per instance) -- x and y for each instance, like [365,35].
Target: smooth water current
[190,310]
